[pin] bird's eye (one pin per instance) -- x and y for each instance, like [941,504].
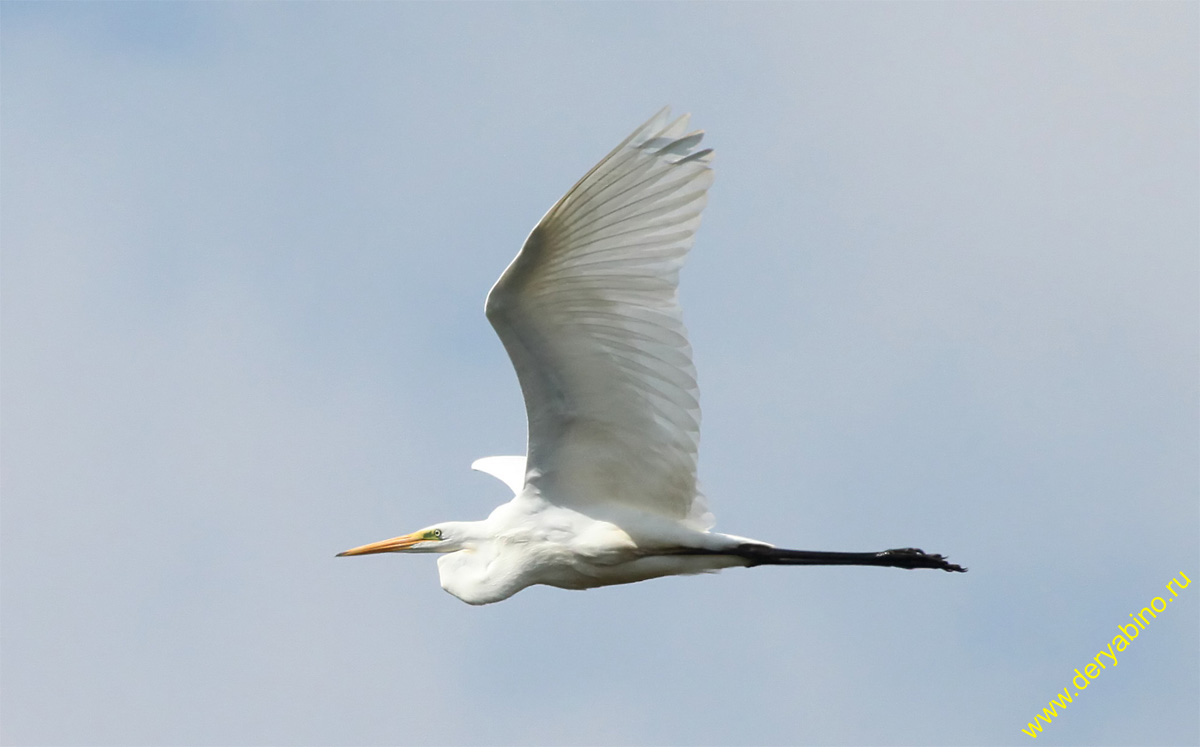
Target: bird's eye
[437,533]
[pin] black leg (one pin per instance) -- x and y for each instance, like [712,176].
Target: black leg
[907,557]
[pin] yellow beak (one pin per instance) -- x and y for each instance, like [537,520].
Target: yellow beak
[395,544]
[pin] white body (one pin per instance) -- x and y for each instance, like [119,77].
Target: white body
[530,540]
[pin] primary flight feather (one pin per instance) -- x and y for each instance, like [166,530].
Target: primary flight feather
[589,314]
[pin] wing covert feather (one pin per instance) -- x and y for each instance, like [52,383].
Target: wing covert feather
[589,314]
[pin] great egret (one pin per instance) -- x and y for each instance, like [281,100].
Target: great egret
[589,316]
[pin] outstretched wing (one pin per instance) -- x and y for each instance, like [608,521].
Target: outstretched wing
[509,470]
[589,314]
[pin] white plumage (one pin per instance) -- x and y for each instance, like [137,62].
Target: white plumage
[589,314]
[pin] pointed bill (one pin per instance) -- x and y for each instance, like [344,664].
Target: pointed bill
[395,544]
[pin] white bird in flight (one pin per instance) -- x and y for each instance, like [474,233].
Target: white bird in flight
[589,315]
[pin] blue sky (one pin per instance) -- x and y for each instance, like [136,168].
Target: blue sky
[945,295]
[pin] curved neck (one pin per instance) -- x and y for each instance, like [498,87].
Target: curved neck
[477,574]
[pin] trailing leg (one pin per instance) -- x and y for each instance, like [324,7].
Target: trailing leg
[907,557]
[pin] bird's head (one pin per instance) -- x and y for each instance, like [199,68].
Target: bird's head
[445,537]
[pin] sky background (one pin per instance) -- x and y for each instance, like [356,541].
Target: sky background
[944,296]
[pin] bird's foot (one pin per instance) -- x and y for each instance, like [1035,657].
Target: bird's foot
[911,557]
